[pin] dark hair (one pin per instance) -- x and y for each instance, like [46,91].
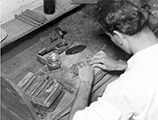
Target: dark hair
[122,16]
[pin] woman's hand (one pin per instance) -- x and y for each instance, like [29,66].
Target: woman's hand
[155,13]
[103,61]
[86,73]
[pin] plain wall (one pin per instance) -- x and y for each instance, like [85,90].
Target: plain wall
[11,7]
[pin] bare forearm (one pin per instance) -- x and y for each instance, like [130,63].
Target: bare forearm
[82,98]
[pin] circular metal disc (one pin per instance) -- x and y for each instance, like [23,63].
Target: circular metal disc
[3,34]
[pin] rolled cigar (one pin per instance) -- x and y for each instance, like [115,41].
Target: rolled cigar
[57,100]
[35,85]
[36,14]
[54,93]
[25,79]
[31,20]
[32,17]
[39,85]
[99,75]
[41,88]
[28,84]
[23,20]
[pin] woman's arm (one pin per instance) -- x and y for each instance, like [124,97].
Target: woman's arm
[86,75]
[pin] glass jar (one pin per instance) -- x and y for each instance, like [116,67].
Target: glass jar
[53,61]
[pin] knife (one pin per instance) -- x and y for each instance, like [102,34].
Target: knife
[75,49]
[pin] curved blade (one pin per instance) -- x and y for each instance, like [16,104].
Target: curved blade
[75,49]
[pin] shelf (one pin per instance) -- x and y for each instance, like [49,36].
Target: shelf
[17,29]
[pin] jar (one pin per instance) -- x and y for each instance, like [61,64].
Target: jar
[53,61]
[49,6]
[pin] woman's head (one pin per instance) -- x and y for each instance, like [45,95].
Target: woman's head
[122,16]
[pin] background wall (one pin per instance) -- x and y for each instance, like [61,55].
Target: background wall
[11,7]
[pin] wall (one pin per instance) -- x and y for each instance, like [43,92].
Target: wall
[11,7]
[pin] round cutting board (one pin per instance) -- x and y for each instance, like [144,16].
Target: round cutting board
[3,34]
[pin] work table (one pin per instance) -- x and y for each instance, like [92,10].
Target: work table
[20,59]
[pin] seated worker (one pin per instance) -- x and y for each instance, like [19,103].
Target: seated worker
[134,95]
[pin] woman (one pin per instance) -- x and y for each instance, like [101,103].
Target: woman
[134,95]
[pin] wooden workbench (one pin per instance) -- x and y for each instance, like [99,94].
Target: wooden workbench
[26,61]
[16,65]
[16,68]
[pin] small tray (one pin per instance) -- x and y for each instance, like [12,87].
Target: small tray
[40,88]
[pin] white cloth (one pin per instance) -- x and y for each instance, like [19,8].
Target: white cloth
[133,96]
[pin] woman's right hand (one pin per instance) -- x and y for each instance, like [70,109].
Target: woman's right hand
[86,73]
[155,13]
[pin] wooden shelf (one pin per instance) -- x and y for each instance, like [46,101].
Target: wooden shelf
[17,29]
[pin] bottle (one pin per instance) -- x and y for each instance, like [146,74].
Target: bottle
[49,6]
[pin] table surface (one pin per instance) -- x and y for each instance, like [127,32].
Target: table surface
[20,58]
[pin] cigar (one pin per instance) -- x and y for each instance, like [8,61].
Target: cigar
[28,84]
[39,85]
[35,85]
[25,79]
[53,95]
[29,19]
[41,88]
[23,20]
[99,75]
[36,14]
[33,18]
[57,101]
